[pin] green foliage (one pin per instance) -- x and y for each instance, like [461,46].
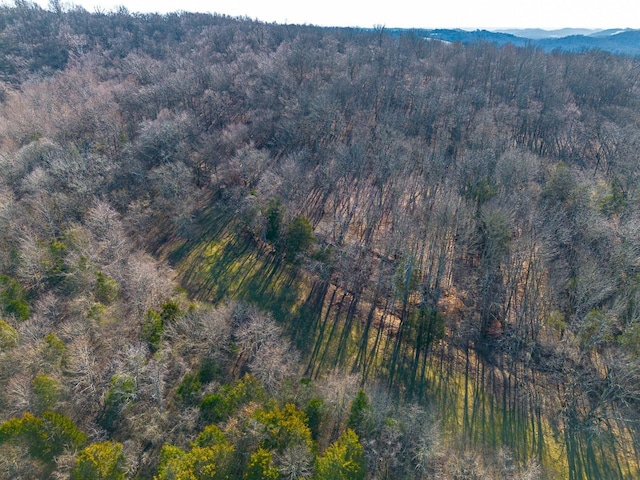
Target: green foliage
[325,255]
[201,463]
[343,460]
[496,233]
[152,330]
[560,188]
[100,461]
[96,311]
[171,466]
[274,219]
[208,370]
[557,321]
[55,343]
[210,457]
[217,406]
[170,312]
[13,298]
[192,383]
[613,202]
[360,411]
[14,427]
[284,427]
[54,350]
[220,405]
[315,411]
[209,437]
[46,392]
[19,308]
[122,391]
[45,437]
[299,235]
[60,433]
[8,336]
[107,289]
[630,338]
[481,191]
[261,467]
[189,387]
[54,263]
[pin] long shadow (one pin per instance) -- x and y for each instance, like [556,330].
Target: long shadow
[478,403]
[304,330]
[275,287]
[238,269]
[210,224]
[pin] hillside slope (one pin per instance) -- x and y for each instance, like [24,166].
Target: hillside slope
[213,230]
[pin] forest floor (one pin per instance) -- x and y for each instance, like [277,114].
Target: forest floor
[220,263]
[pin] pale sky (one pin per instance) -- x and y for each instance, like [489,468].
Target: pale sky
[490,14]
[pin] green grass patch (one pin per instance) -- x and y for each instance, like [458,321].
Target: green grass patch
[226,263]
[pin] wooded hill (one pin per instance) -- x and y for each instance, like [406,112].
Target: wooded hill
[231,249]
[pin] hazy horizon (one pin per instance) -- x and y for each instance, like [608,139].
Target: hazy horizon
[462,14]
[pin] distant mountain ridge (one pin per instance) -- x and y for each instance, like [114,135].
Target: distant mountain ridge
[539,33]
[618,41]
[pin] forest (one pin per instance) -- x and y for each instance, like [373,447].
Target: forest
[239,250]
